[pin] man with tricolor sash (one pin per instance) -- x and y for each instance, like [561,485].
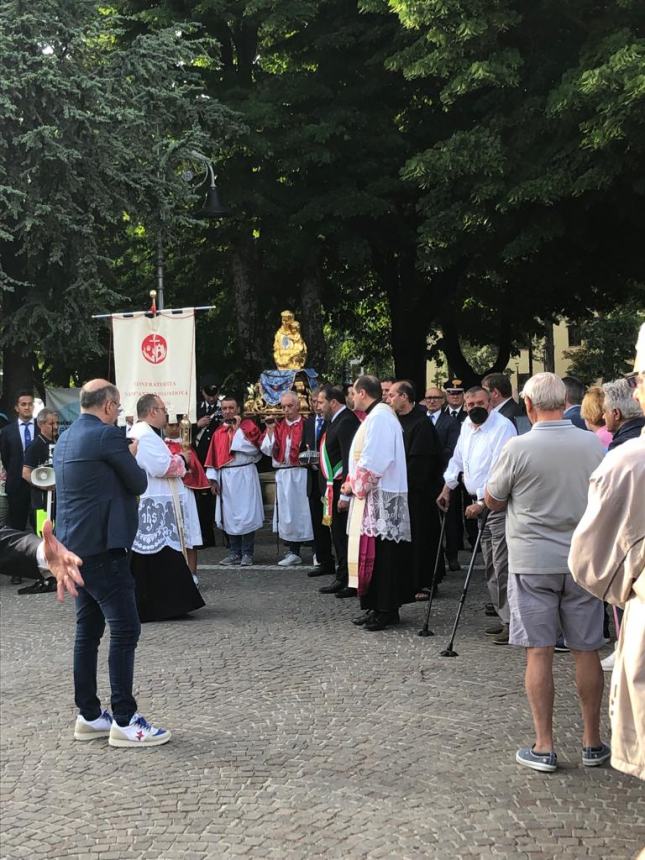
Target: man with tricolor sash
[335,445]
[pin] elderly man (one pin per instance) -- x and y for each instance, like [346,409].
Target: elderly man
[544,506]
[483,435]
[36,455]
[168,522]
[608,558]
[283,443]
[623,415]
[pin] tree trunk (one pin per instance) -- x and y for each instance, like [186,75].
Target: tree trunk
[458,364]
[409,301]
[549,348]
[250,341]
[312,320]
[17,375]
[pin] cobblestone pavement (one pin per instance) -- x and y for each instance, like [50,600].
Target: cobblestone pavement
[297,735]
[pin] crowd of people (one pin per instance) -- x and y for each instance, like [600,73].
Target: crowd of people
[386,488]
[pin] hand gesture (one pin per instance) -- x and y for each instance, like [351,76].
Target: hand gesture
[62,563]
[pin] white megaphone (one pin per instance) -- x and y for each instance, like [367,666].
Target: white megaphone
[43,477]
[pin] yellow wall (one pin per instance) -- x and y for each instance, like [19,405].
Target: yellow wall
[519,365]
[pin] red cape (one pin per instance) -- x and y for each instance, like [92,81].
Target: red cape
[219,452]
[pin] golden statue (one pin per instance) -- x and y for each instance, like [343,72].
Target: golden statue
[289,349]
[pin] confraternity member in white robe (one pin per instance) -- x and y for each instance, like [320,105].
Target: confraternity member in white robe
[291,514]
[231,469]
[379,557]
[168,523]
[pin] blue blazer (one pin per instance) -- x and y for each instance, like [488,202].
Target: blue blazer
[573,414]
[97,484]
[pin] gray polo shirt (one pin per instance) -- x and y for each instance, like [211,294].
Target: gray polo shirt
[544,475]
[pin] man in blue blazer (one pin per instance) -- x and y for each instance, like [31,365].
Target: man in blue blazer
[575,393]
[97,484]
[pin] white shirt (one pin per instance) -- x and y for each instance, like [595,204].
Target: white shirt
[457,412]
[476,452]
[435,415]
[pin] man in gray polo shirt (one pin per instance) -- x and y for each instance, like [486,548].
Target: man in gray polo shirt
[542,479]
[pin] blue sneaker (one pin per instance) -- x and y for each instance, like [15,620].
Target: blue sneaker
[547,762]
[593,756]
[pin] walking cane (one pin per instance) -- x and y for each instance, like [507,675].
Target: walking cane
[425,631]
[448,651]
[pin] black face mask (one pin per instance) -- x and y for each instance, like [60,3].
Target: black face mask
[478,414]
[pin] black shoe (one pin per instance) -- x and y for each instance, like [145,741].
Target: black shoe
[346,592]
[364,618]
[382,620]
[321,571]
[332,589]
[453,564]
[16,580]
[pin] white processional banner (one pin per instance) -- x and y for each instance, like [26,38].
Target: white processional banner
[156,355]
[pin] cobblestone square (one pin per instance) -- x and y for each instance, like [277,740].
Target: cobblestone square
[298,735]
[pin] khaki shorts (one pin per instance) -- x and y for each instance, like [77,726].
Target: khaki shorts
[543,604]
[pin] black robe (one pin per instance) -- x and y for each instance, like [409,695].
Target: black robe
[424,457]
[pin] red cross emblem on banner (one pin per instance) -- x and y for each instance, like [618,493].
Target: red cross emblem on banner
[154,348]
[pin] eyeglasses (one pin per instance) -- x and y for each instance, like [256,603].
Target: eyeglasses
[434,397]
[632,379]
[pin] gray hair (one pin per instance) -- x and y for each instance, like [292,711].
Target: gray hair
[44,414]
[618,395]
[291,394]
[96,398]
[547,392]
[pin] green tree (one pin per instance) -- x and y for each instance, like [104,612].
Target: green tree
[607,351]
[532,194]
[92,133]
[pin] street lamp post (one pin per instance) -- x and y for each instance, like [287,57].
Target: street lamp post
[211,210]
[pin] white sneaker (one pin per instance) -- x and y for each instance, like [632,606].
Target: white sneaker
[230,560]
[290,560]
[247,561]
[87,730]
[139,733]
[608,663]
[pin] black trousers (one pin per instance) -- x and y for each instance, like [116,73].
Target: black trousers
[322,534]
[339,537]
[19,507]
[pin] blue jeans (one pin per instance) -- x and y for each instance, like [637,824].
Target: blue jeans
[242,544]
[108,595]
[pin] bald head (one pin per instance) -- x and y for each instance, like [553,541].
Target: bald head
[99,397]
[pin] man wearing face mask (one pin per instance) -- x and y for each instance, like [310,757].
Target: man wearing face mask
[483,435]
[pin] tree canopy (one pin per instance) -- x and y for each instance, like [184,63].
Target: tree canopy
[400,173]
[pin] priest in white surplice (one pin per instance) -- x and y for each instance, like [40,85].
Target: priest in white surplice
[231,468]
[168,523]
[282,442]
[379,557]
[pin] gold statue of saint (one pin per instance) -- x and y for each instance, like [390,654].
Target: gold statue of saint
[289,349]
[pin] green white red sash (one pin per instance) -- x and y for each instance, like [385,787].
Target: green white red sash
[330,473]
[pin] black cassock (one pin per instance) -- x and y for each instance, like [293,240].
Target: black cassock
[425,458]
